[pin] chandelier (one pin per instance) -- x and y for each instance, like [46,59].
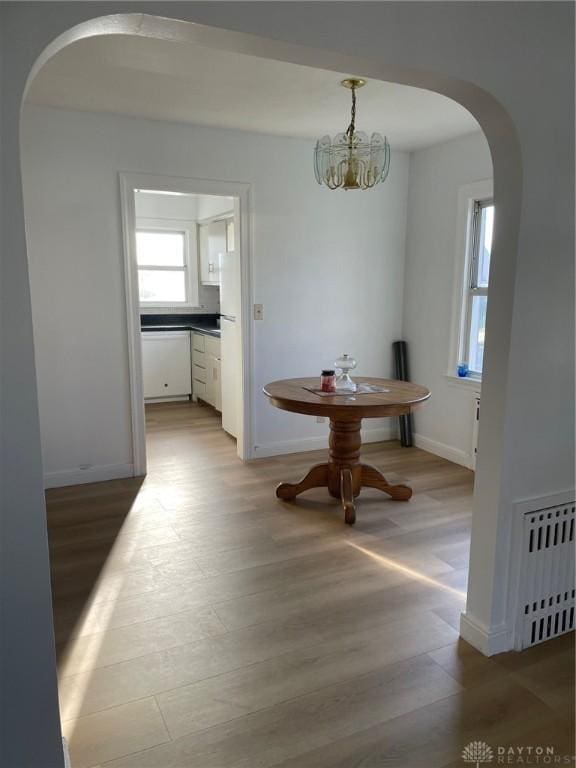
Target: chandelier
[350,160]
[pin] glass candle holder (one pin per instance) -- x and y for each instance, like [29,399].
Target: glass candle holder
[344,382]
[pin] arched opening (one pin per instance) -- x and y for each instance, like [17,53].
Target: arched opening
[84,634]
[490,116]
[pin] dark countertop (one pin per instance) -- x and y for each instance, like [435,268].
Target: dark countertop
[207,324]
[187,327]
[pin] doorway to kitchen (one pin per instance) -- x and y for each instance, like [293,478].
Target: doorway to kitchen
[187,283]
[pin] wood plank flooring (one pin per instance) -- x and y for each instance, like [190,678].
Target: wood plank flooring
[201,623]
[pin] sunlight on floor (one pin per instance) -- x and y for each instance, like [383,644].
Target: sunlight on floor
[396,566]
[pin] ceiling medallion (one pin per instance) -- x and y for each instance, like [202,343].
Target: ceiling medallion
[350,160]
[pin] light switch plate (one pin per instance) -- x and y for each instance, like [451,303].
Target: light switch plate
[258,311]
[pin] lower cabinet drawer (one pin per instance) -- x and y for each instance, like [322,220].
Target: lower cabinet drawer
[199,342]
[199,388]
[198,373]
[212,346]
[199,358]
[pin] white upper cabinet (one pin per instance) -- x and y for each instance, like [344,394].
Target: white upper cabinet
[212,247]
[230,274]
[207,274]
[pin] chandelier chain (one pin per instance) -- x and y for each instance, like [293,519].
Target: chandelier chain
[352,127]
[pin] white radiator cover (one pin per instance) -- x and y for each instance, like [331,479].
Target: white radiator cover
[545,599]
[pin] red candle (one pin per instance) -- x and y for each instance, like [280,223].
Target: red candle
[328,381]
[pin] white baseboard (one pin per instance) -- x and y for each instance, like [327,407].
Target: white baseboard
[444,451]
[304,444]
[92,474]
[67,763]
[487,641]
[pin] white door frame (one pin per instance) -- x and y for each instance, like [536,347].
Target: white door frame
[129,183]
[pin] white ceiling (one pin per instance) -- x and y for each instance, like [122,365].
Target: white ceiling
[186,83]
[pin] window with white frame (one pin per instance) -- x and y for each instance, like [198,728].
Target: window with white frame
[165,260]
[471,278]
[476,299]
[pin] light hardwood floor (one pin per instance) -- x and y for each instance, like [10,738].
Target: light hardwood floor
[201,623]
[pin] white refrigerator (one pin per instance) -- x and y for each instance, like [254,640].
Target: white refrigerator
[230,349]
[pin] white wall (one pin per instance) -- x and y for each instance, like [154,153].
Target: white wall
[327,266]
[183,208]
[155,205]
[436,174]
[211,205]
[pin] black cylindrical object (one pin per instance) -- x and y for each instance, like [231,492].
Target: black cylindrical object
[401,365]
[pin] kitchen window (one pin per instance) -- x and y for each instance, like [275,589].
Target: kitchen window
[163,256]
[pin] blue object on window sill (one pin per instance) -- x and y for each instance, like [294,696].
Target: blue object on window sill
[463,370]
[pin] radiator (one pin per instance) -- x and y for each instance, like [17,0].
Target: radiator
[546,585]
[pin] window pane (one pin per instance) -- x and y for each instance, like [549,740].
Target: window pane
[163,286]
[477,332]
[485,245]
[160,249]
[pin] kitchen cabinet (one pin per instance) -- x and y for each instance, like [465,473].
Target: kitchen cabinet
[166,364]
[230,376]
[230,276]
[213,388]
[211,249]
[198,366]
[218,385]
[230,234]
[206,369]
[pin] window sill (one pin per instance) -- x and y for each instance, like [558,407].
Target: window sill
[169,305]
[467,382]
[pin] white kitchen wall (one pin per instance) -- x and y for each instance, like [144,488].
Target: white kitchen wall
[327,266]
[211,205]
[157,205]
[183,208]
[436,174]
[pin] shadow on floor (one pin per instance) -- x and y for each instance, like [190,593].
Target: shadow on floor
[84,523]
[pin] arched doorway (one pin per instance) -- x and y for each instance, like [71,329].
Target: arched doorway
[507,178]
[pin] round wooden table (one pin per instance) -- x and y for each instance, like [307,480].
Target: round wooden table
[343,474]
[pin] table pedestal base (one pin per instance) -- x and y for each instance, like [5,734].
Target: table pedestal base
[344,475]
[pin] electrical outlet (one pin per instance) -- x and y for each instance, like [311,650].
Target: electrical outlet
[320,419]
[258,311]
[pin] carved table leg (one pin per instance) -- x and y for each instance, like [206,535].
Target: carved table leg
[317,477]
[344,469]
[372,478]
[343,475]
[347,496]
